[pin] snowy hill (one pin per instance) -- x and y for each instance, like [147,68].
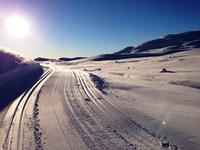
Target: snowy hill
[168,44]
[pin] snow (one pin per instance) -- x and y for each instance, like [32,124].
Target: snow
[140,108]
[167,104]
[16,75]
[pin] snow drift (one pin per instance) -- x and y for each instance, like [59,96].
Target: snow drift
[16,75]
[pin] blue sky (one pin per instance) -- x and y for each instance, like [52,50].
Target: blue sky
[89,27]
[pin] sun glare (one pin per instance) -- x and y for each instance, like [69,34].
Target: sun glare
[17,26]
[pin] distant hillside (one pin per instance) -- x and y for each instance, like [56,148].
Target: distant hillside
[168,44]
[172,40]
[70,59]
[126,50]
[41,59]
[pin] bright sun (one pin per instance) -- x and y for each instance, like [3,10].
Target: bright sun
[17,26]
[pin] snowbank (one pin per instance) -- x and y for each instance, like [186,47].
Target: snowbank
[16,75]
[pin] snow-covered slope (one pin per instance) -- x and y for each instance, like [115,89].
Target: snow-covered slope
[9,61]
[16,75]
[173,41]
[126,50]
[165,103]
[168,44]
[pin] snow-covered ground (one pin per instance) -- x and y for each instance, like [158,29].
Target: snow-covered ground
[17,74]
[167,104]
[138,103]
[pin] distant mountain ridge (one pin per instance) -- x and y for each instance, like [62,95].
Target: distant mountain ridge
[42,59]
[128,49]
[70,59]
[179,40]
[168,44]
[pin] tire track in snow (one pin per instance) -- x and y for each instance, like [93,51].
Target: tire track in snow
[147,141]
[59,120]
[106,126]
[20,108]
